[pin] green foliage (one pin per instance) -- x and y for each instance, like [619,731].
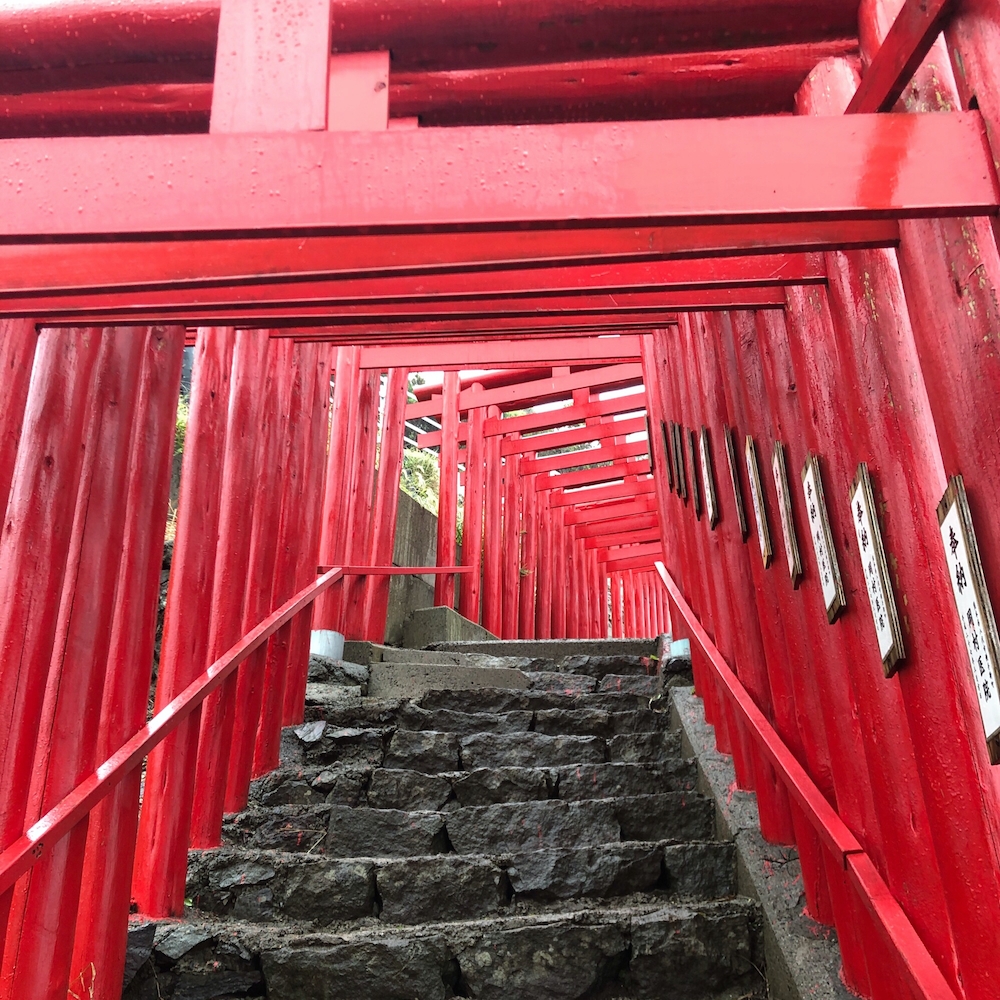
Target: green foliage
[180,431]
[411,383]
[421,477]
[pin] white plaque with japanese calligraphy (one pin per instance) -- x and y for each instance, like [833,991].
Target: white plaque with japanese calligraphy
[785,514]
[876,570]
[757,498]
[975,610]
[822,539]
[708,479]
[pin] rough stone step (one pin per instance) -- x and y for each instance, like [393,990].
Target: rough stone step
[320,743]
[389,788]
[274,885]
[346,832]
[501,700]
[693,951]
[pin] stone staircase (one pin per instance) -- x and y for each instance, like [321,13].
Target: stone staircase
[539,841]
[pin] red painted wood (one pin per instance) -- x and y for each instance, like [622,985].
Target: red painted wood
[493,533]
[950,271]
[179,262]
[643,506]
[394,295]
[161,849]
[903,49]
[592,529]
[466,35]
[444,586]
[333,538]
[577,435]
[101,929]
[525,394]
[293,500]
[17,349]
[588,477]
[608,452]
[543,570]
[359,525]
[239,474]
[510,579]
[259,87]
[43,914]
[534,353]
[260,598]
[629,537]
[390,465]
[632,486]
[823,168]
[528,569]
[472,517]
[35,548]
[36,843]
[308,537]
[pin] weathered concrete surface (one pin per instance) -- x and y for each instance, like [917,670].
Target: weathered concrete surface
[415,545]
[803,960]
[411,680]
[424,626]
[552,649]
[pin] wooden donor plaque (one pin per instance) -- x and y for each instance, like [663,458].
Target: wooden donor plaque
[708,478]
[975,610]
[880,593]
[780,472]
[757,499]
[695,493]
[822,539]
[734,476]
[669,455]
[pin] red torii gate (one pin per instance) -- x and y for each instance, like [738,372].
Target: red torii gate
[266,230]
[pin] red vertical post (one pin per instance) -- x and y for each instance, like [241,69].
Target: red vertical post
[102,924]
[360,534]
[164,823]
[560,596]
[34,549]
[444,584]
[295,451]
[390,465]
[527,569]
[599,588]
[264,542]
[572,586]
[472,518]
[493,533]
[17,349]
[333,538]
[308,535]
[239,476]
[511,547]
[616,605]
[39,942]
[543,582]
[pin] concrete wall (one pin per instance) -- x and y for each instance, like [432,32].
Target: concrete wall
[416,545]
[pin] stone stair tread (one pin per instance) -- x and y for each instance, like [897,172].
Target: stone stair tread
[289,886]
[402,788]
[507,826]
[641,949]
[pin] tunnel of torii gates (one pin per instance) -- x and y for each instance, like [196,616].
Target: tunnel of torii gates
[773,222]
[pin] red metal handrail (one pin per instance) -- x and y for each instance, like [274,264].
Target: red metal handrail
[918,964]
[70,810]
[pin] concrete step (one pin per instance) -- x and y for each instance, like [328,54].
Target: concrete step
[501,700]
[346,831]
[273,885]
[693,951]
[552,649]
